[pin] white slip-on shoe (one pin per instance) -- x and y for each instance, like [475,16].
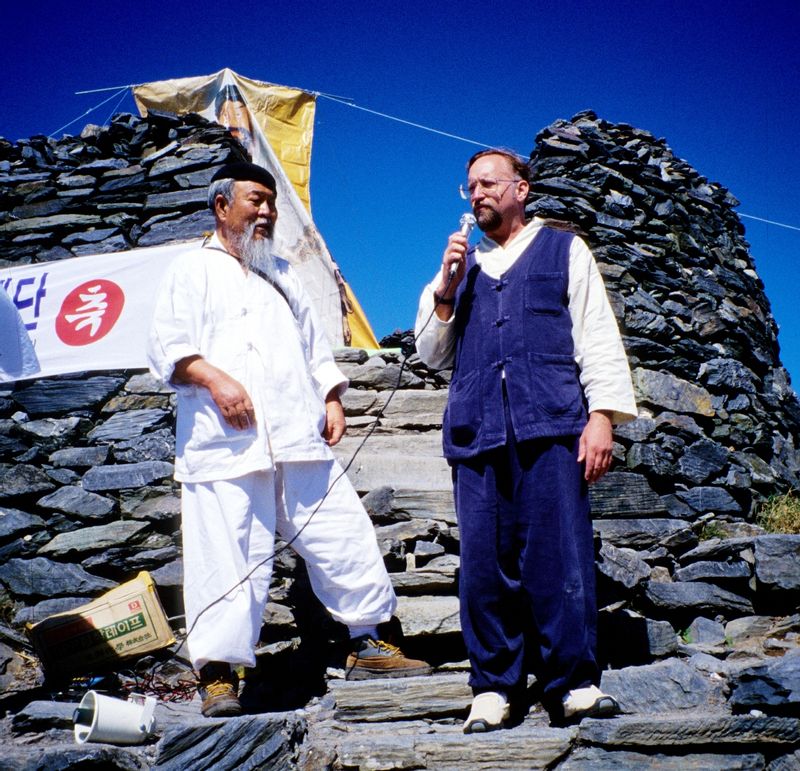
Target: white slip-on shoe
[489,712]
[588,702]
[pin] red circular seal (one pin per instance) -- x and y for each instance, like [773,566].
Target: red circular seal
[89,312]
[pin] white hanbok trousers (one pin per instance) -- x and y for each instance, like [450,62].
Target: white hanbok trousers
[229,533]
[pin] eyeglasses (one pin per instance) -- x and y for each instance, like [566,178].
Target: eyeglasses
[488,185]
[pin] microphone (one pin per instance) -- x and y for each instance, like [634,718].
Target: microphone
[467,222]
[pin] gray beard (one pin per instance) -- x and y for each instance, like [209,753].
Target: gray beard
[256,253]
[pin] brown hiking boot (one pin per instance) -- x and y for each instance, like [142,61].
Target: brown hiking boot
[376,658]
[219,689]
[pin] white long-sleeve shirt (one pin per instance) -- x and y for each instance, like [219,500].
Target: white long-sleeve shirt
[604,371]
[208,306]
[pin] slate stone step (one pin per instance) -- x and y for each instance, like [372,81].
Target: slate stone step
[447,748]
[66,754]
[691,730]
[405,698]
[185,740]
[428,615]
[408,470]
[599,759]
[400,503]
[249,741]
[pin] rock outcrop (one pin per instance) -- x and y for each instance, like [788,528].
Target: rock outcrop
[719,423]
[698,604]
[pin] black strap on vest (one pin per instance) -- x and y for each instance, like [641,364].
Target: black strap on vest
[260,273]
[275,285]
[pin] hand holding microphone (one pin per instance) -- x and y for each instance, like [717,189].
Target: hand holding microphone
[452,261]
[467,222]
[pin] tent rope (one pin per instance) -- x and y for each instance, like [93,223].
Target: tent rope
[120,90]
[115,107]
[769,222]
[350,103]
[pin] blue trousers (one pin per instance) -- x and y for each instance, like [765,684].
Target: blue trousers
[527,567]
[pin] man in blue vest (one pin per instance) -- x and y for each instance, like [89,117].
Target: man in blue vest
[539,377]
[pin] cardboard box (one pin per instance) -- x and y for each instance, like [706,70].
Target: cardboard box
[124,622]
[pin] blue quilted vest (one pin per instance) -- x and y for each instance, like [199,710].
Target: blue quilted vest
[518,324]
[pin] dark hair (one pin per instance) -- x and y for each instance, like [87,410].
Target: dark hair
[518,163]
[225,176]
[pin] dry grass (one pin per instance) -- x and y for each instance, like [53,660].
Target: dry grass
[781,514]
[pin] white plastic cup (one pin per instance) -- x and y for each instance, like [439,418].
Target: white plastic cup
[101,718]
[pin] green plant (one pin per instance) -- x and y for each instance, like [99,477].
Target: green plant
[712,530]
[8,608]
[780,513]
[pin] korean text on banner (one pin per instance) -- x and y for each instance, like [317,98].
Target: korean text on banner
[89,313]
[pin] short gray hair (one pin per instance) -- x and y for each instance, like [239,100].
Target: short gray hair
[223,187]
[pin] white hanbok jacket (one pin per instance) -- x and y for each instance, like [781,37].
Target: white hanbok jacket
[274,346]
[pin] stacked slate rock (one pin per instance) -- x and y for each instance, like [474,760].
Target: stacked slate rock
[134,183]
[699,624]
[720,424]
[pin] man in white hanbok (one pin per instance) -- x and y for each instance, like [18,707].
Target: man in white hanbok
[258,410]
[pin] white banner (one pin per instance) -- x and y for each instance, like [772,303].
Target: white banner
[90,313]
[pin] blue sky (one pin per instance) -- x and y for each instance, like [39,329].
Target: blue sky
[719,81]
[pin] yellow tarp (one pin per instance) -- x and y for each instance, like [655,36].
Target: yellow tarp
[361,332]
[285,115]
[275,124]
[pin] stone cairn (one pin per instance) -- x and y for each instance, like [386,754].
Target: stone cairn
[698,605]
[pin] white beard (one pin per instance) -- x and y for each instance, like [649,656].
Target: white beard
[256,253]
